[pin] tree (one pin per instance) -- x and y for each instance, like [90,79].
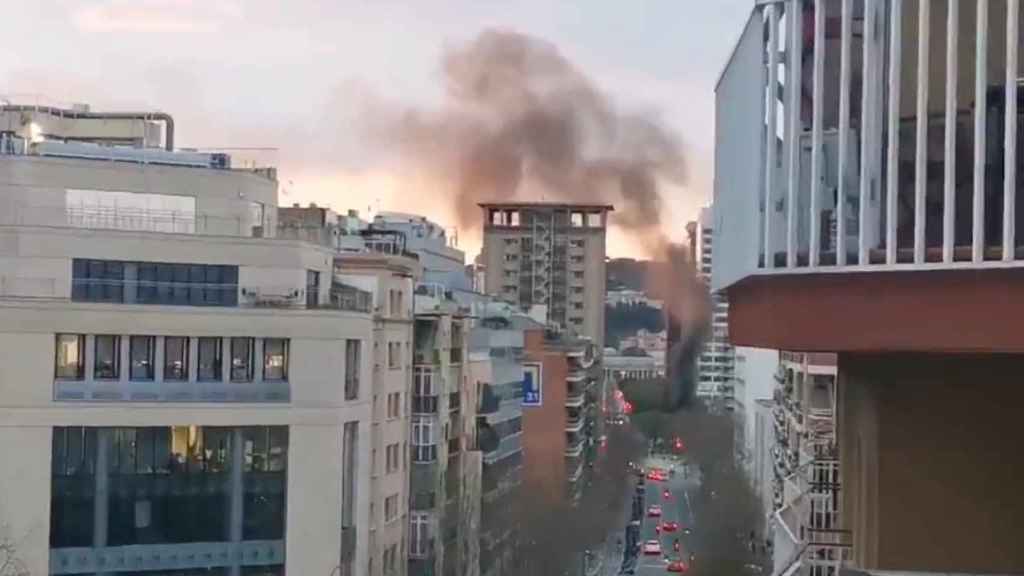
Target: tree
[555,532]
[725,506]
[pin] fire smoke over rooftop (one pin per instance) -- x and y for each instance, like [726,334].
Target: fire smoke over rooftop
[521,122]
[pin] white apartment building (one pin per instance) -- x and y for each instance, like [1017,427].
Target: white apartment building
[755,380]
[716,364]
[179,390]
[390,278]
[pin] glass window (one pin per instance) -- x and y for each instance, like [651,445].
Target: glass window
[107,358]
[394,355]
[275,359]
[209,366]
[241,359]
[176,358]
[352,361]
[70,357]
[142,351]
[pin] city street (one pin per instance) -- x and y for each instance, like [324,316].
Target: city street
[675,508]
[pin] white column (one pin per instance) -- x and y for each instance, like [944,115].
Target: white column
[924,21]
[794,59]
[980,117]
[846,33]
[771,136]
[892,179]
[949,171]
[867,118]
[817,128]
[1010,144]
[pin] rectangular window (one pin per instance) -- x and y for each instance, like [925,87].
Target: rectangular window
[70,360]
[349,450]
[107,365]
[241,359]
[395,405]
[176,358]
[391,460]
[391,508]
[209,369]
[419,536]
[275,359]
[142,353]
[394,355]
[576,219]
[352,361]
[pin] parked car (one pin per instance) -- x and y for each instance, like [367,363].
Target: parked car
[652,547]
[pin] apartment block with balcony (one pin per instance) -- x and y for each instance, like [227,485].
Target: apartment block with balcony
[181,390]
[550,256]
[866,205]
[716,364]
[497,356]
[444,515]
[808,536]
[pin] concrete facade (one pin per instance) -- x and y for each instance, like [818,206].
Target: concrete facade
[93,354]
[549,256]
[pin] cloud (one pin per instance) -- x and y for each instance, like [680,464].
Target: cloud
[154,15]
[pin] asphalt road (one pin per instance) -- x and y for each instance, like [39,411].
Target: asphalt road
[675,508]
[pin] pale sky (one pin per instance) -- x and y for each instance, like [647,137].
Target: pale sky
[288,74]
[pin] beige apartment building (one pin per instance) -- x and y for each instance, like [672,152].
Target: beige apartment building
[549,256]
[179,390]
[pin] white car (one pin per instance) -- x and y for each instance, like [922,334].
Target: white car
[652,547]
[654,511]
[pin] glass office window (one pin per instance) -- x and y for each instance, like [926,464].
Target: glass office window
[275,359]
[176,358]
[107,357]
[142,354]
[70,357]
[209,365]
[241,359]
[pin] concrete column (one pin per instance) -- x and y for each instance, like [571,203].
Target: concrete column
[237,492]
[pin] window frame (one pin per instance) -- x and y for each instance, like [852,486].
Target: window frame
[150,360]
[285,349]
[218,363]
[185,357]
[353,360]
[247,369]
[79,372]
[116,371]
[391,500]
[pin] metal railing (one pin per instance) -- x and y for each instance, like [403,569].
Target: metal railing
[131,219]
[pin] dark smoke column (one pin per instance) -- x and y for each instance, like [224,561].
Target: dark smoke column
[686,308]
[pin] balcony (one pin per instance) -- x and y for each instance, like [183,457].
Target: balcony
[913,196]
[574,424]
[573,446]
[574,398]
[426,358]
[424,404]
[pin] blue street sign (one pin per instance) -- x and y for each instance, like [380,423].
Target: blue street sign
[532,395]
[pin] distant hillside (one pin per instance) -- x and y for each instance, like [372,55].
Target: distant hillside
[627,273]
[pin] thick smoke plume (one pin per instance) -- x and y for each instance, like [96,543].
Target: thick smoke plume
[520,121]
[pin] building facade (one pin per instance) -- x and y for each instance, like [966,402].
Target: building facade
[717,362]
[870,201]
[549,256]
[444,515]
[182,390]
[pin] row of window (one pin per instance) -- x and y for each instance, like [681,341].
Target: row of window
[177,365]
[154,283]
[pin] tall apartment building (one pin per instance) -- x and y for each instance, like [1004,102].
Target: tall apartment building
[550,256]
[717,362]
[181,390]
[446,462]
[868,176]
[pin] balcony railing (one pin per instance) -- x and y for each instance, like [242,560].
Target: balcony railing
[574,424]
[574,398]
[894,184]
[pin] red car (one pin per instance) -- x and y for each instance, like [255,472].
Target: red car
[656,476]
[676,566]
[670,526]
